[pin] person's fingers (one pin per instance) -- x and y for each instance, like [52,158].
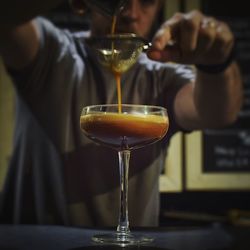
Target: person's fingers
[171,53]
[223,43]
[215,43]
[192,38]
[166,34]
[206,36]
[189,31]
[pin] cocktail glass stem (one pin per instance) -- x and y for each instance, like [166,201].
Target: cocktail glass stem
[123,224]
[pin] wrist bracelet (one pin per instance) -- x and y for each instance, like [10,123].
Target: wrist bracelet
[217,68]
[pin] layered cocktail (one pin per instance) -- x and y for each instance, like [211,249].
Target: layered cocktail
[134,127]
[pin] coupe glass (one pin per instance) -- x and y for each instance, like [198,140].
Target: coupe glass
[134,127]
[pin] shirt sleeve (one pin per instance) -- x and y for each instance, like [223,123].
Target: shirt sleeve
[55,47]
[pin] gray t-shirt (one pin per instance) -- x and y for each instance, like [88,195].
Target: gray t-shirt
[57,175]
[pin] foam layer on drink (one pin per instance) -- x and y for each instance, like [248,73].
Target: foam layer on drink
[121,131]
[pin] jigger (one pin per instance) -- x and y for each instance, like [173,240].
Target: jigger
[118,52]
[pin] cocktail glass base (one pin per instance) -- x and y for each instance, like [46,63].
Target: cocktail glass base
[122,239]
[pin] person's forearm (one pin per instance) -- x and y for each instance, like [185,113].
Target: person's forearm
[15,12]
[218,98]
[19,36]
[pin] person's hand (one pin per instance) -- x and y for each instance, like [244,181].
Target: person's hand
[192,38]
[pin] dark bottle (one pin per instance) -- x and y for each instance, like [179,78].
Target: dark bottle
[106,7]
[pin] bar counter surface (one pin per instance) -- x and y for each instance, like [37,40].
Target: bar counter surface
[13,237]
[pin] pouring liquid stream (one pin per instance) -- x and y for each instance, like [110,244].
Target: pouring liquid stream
[117,74]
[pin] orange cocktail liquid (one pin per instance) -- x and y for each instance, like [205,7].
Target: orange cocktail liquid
[117,75]
[124,131]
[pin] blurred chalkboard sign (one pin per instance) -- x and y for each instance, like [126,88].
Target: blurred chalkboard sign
[228,150]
